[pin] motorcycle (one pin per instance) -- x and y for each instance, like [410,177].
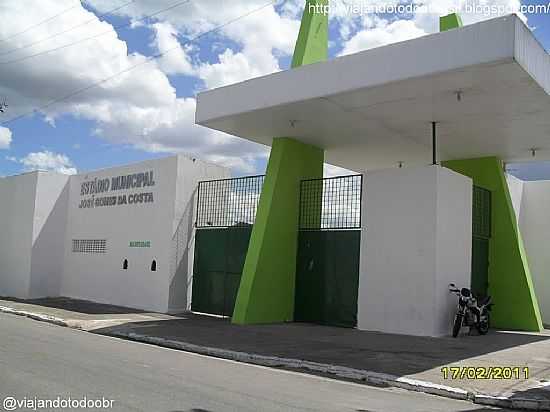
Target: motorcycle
[471,311]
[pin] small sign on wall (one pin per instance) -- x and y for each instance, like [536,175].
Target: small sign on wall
[140,244]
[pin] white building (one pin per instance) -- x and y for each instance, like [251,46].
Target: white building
[428,121]
[120,236]
[531,201]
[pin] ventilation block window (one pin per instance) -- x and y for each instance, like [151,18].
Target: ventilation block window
[89,246]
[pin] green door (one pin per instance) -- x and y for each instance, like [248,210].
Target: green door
[217,268]
[237,240]
[310,270]
[481,240]
[327,277]
[480,266]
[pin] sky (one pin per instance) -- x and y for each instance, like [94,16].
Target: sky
[100,83]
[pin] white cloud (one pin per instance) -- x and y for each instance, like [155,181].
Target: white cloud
[232,68]
[195,17]
[260,36]
[5,138]
[369,32]
[381,34]
[48,161]
[138,107]
[177,60]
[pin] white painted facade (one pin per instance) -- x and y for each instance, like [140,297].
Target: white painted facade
[535,229]
[531,202]
[42,214]
[49,230]
[416,240]
[515,187]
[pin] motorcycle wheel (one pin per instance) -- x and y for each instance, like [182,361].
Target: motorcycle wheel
[457,325]
[483,327]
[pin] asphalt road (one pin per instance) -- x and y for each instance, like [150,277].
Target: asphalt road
[42,361]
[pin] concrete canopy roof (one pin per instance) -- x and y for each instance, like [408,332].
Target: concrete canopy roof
[374,109]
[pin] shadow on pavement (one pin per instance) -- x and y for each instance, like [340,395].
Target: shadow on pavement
[76,305]
[485,409]
[542,394]
[385,353]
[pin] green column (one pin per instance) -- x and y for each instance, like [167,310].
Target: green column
[510,282]
[449,22]
[312,42]
[266,292]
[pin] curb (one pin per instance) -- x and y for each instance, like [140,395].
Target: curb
[512,403]
[372,378]
[38,316]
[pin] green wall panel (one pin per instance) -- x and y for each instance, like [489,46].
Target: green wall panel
[510,282]
[266,292]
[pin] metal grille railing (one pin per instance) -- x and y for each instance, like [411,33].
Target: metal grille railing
[331,203]
[481,213]
[228,202]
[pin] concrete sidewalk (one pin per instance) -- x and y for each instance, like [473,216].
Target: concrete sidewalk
[404,361]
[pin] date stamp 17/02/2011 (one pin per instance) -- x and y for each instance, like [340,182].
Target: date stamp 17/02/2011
[485,372]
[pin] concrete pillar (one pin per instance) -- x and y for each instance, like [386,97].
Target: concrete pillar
[266,292]
[416,239]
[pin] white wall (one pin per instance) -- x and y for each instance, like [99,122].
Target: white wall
[48,241]
[189,173]
[453,243]
[416,239]
[531,201]
[41,214]
[515,187]
[17,198]
[534,222]
[100,277]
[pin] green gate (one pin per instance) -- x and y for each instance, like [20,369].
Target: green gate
[481,238]
[327,265]
[226,210]
[217,269]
